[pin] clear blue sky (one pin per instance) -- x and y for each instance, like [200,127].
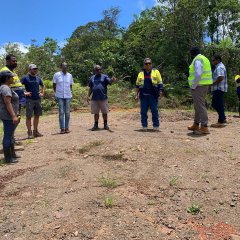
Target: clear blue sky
[23,20]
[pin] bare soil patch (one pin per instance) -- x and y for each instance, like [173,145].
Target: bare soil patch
[123,184]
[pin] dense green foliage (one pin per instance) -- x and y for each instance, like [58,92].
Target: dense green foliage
[164,33]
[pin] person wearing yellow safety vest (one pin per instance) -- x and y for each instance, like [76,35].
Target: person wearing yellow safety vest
[16,86]
[199,80]
[237,80]
[149,87]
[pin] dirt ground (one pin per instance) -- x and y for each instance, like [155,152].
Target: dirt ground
[123,184]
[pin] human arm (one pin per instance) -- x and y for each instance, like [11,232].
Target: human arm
[43,88]
[198,71]
[89,94]
[219,73]
[219,79]
[54,87]
[160,84]
[7,101]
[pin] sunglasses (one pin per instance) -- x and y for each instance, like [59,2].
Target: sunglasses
[148,63]
[98,69]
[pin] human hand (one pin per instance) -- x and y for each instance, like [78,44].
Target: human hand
[88,99]
[28,94]
[41,94]
[15,120]
[136,96]
[161,94]
[114,79]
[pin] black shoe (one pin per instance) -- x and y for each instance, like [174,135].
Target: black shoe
[95,128]
[14,155]
[8,156]
[106,127]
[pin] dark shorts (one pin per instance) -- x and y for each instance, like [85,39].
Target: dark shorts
[20,92]
[33,107]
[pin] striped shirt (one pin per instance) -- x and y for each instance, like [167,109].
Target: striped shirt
[220,71]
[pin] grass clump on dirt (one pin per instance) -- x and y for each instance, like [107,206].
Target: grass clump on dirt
[89,146]
[108,182]
[108,202]
[174,181]
[64,171]
[194,209]
[115,157]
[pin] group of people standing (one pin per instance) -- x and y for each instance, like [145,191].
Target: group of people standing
[28,91]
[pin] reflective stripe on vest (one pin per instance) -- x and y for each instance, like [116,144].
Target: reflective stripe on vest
[206,78]
[236,78]
[16,80]
[155,76]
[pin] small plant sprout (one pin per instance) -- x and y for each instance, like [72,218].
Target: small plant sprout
[194,209]
[108,202]
[108,182]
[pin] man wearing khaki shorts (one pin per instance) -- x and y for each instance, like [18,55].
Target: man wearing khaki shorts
[98,89]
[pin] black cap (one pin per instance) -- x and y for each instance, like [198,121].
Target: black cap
[7,73]
[195,51]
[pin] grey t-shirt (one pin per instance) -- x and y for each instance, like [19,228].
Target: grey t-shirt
[6,91]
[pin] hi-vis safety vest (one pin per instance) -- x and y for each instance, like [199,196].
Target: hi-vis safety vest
[16,80]
[206,78]
[236,78]
[155,76]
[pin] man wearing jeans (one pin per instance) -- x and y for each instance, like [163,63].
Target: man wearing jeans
[149,88]
[62,86]
[218,89]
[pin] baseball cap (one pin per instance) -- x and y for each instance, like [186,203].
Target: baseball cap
[7,73]
[32,66]
[147,60]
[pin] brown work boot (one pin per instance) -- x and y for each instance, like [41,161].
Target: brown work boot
[202,130]
[194,127]
[36,133]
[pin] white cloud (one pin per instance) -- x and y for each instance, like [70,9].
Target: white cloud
[62,43]
[21,46]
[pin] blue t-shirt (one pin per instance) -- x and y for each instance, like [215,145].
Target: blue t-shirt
[98,84]
[32,84]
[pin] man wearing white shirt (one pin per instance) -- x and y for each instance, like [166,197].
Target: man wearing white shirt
[200,78]
[62,86]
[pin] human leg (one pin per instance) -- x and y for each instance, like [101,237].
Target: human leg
[144,104]
[61,113]
[154,109]
[67,114]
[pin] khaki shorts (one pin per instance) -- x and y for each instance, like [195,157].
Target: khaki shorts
[96,106]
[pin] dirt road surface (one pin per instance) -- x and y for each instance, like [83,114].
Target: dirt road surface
[123,184]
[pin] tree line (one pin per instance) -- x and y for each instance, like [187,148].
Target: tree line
[165,33]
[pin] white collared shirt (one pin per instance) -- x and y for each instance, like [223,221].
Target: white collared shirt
[63,84]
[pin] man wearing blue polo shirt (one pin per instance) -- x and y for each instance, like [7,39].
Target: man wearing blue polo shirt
[219,88]
[98,89]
